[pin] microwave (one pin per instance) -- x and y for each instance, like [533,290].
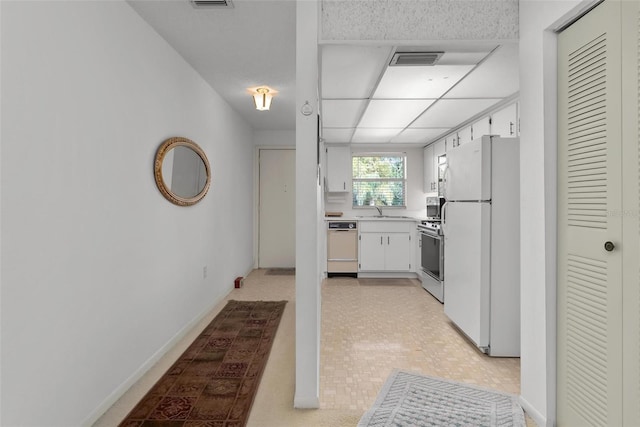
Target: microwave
[434,207]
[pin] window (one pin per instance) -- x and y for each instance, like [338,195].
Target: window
[379,179]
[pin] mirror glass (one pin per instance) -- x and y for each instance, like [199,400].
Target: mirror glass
[182,171]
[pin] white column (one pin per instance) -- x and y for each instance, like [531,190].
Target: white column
[307,394]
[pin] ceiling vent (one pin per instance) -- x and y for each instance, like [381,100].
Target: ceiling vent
[415,58]
[212,3]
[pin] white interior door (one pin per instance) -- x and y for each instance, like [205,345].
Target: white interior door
[276,235]
[589,363]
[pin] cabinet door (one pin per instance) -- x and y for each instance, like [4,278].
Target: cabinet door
[372,252]
[429,183]
[438,151]
[505,121]
[397,251]
[464,135]
[338,169]
[439,148]
[481,127]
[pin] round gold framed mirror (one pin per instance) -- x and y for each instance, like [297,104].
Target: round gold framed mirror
[182,171]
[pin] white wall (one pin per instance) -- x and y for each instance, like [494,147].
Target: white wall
[275,138]
[415,195]
[99,271]
[538,202]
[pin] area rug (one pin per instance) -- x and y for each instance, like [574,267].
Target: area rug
[214,382]
[409,399]
[281,272]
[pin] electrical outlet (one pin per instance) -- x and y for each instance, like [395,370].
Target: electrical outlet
[204,272]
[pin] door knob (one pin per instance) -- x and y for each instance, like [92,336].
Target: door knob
[609,246]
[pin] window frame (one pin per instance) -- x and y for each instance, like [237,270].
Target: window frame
[403,180]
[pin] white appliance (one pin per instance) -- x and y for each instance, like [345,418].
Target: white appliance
[481,224]
[432,258]
[342,248]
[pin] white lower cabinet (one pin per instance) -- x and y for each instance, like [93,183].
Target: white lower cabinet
[386,246]
[372,251]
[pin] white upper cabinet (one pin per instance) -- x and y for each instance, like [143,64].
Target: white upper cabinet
[438,148]
[338,178]
[451,141]
[432,153]
[481,127]
[505,122]
[429,185]
[464,135]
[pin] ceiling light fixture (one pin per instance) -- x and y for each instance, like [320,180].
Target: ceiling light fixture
[262,97]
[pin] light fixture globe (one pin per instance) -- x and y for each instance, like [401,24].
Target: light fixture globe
[262,98]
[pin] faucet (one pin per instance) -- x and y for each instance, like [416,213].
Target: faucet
[379,210]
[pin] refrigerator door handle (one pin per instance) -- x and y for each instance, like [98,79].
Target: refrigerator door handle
[444,216]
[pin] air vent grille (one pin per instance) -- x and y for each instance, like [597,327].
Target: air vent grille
[211,3]
[415,58]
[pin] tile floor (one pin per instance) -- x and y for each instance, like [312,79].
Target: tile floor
[367,331]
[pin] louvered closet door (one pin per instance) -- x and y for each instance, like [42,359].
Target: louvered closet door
[589,194]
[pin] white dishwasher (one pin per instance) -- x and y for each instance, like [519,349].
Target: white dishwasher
[342,248]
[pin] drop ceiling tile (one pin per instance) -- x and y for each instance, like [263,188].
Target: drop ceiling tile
[374,135]
[452,112]
[463,58]
[337,134]
[341,113]
[393,113]
[419,135]
[495,77]
[419,82]
[351,71]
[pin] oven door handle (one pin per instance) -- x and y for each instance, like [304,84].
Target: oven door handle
[430,234]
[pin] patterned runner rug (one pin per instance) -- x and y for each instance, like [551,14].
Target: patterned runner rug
[215,380]
[408,399]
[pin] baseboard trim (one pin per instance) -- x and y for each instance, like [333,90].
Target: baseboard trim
[537,417]
[139,373]
[300,402]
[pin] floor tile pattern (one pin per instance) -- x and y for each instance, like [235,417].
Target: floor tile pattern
[368,331]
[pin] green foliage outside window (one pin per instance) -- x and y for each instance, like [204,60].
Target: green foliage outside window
[379,180]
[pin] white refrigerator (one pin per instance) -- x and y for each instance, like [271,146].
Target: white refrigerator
[481,226]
